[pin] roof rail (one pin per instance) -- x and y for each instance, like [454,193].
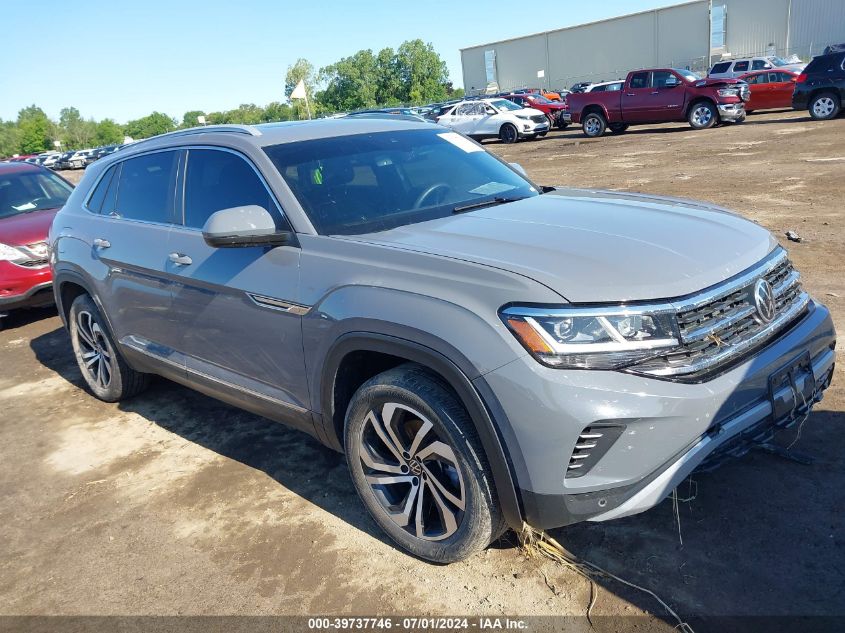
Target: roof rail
[230,129]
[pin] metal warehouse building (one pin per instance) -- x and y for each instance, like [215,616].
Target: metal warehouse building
[689,35]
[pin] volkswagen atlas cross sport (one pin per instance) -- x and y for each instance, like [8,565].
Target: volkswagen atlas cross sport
[485,351]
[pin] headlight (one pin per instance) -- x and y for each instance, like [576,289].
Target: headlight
[11,254]
[728,92]
[523,116]
[593,338]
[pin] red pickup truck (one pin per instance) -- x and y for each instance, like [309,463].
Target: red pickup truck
[660,95]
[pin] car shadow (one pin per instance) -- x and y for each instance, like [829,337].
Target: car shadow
[21,318]
[292,458]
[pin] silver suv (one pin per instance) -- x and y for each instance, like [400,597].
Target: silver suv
[485,351]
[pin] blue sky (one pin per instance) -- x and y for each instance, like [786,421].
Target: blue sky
[125,59]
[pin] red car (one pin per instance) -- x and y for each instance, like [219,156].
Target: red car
[770,89]
[552,109]
[30,196]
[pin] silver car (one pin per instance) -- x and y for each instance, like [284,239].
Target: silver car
[485,351]
[733,68]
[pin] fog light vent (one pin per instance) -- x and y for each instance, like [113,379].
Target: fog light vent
[593,442]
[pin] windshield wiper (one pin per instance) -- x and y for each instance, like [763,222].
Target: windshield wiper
[461,208]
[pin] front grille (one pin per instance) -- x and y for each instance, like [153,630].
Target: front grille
[724,325]
[35,263]
[539,118]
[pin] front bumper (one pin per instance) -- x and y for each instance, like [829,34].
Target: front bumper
[731,112]
[668,429]
[530,128]
[22,287]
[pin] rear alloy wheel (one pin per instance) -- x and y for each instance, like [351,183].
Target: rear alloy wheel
[508,133]
[103,368]
[594,125]
[418,466]
[703,115]
[824,106]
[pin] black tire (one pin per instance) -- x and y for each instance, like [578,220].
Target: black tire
[416,399]
[561,124]
[508,133]
[618,128]
[825,106]
[105,371]
[702,115]
[594,125]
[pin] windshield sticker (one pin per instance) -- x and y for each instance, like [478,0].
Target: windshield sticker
[459,141]
[491,187]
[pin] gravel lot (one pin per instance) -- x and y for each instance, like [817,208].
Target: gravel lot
[173,503]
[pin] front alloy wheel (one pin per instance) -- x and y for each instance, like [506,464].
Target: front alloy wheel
[703,115]
[413,474]
[419,467]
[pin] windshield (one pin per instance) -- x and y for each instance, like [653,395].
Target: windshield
[504,104]
[363,183]
[24,192]
[541,99]
[778,61]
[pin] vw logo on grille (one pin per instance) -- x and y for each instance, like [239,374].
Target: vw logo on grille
[764,300]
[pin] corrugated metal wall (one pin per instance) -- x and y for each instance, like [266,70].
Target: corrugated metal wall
[814,24]
[671,36]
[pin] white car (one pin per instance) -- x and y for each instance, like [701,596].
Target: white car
[495,118]
[732,68]
[606,86]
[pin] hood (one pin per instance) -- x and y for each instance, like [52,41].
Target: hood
[529,111]
[597,246]
[26,228]
[716,81]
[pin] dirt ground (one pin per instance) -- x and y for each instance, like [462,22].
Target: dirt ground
[175,504]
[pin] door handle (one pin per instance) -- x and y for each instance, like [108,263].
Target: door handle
[180,259]
[630,94]
[656,92]
[101,243]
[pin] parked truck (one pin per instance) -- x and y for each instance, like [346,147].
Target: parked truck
[660,95]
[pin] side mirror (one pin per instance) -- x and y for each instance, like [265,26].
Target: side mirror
[489,111]
[519,168]
[250,225]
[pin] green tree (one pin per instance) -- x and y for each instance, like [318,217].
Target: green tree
[246,114]
[34,129]
[76,132]
[301,70]
[351,83]
[388,82]
[10,138]
[150,125]
[189,119]
[108,132]
[276,111]
[422,71]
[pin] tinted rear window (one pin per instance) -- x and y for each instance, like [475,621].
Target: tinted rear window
[823,63]
[147,184]
[721,67]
